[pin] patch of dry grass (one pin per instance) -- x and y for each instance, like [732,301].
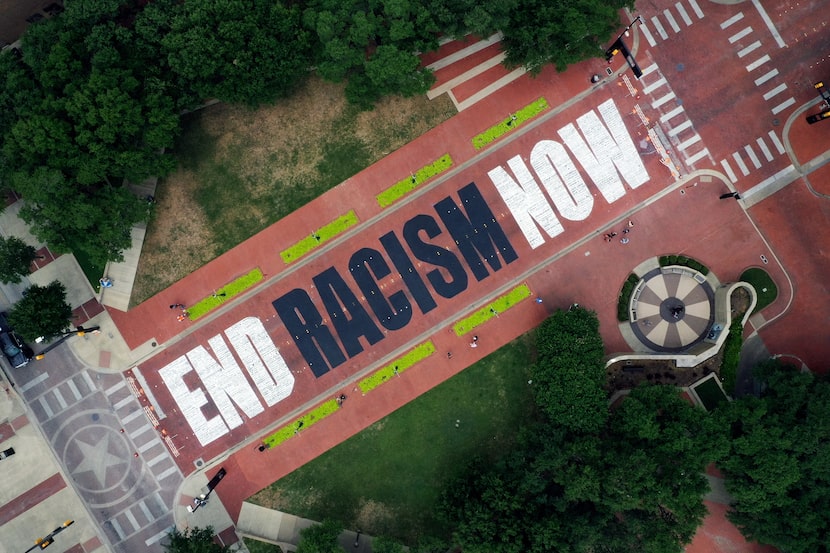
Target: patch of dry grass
[241,170]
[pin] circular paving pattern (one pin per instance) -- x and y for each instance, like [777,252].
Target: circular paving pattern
[674,311]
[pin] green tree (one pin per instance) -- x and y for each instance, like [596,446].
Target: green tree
[778,465]
[320,538]
[42,311]
[15,258]
[382,544]
[193,540]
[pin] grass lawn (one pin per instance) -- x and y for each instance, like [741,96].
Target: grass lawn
[764,286]
[387,480]
[241,170]
[92,271]
[710,394]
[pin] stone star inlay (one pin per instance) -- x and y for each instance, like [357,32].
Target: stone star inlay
[97,459]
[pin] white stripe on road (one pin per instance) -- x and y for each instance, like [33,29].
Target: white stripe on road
[655,85]
[59,397]
[112,389]
[684,15]
[666,116]
[737,17]
[741,165]
[777,90]
[696,9]
[680,128]
[693,140]
[132,416]
[752,157]
[773,31]
[34,382]
[749,49]
[660,30]
[765,77]
[131,518]
[74,389]
[157,459]
[764,149]
[46,408]
[757,63]
[647,34]
[728,169]
[169,472]
[697,157]
[670,18]
[782,106]
[663,99]
[778,145]
[739,35]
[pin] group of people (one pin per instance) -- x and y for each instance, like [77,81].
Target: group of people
[624,240]
[184,314]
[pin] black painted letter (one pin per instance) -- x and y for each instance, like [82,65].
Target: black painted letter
[367,267]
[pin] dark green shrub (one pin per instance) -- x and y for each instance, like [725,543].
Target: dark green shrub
[731,357]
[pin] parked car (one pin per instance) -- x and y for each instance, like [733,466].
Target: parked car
[15,350]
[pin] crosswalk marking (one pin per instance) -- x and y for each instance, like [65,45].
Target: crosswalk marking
[112,389]
[752,157]
[169,472]
[749,49]
[680,128]
[734,19]
[76,393]
[59,397]
[132,416]
[684,15]
[670,18]
[729,172]
[777,90]
[122,402]
[782,106]
[147,514]
[157,459]
[776,141]
[118,530]
[741,165]
[696,9]
[647,34]
[140,431]
[153,539]
[659,27]
[34,382]
[46,408]
[689,142]
[758,63]
[88,380]
[149,445]
[662,100]
[698,156]
[765,77]
[739,35]
[764,149]
[132,520]
[676,111]
[655,85]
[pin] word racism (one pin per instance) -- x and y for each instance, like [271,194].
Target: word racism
[480,247]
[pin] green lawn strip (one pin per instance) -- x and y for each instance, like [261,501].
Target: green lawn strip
[319,237]
[384,468]
[511,123]
[499,305]
[710,394]
[399,365]
[312,417]
[764,286]
[410,183]
[223,294]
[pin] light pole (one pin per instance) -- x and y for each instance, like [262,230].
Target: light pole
[80,331]
[620,46]
[43,543]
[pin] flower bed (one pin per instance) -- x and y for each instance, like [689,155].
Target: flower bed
[399,365]
[511,123]
[312,417]
[499,305]
[319,237]
[223,294]
[410,183]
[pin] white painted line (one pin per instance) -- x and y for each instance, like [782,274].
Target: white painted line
[659,28]
[59,397]
[112,389]
[662,100]
[693,140]
[676,111]
[770,186]
[464,52]
[154,539]
[33,382]
[123,402]
[729,172]
[758,63]
[169,472]
[680,128]
[655,85]
[773,31]
[739,35]
[737,17]
[117,527]
[765,77]
[670,18]
[88,380]
[684,15]
[489,89]
[149,445]
[749,49]
[74,389]
[740,162]
[649,69]
[697,157]
[782,106]
[466,76]
[752,157]
[776,141]
[140,431]
[157,459]
[647,34]
[696,9]
[147,514]
[46,408]
[777,90]
[132,416]
[764,149]
[131,518]
[162,506]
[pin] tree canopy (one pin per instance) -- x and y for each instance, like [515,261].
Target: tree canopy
[778,464]
[15,258]
[42,311]
[320,538]
[193,540]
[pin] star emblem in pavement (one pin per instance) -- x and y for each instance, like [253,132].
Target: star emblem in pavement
[97,459]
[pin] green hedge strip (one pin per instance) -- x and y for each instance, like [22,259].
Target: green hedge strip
[513,122]
[312,417]
[499,305]
[223,294]
[399,365]
[321,236]
[410,183]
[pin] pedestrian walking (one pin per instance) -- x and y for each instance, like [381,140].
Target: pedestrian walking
[177,306]
[626,230]
[449,355]
[624,241]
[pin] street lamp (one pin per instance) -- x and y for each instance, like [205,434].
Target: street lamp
[43,543]
[80,331]
[620,46]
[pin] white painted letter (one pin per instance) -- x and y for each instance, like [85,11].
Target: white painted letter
[248,338]
[606,152]
[190,402]
[573,200]
[526,202]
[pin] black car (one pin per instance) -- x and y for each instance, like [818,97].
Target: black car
[18,353]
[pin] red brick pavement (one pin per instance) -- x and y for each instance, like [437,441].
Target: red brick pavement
[31,497]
